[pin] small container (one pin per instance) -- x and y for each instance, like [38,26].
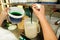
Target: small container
[16,14]
[38,6]
[12,27]
[31,29]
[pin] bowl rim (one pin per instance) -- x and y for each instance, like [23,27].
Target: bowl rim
[17,16]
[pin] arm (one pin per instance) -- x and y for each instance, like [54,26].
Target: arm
[3,16]
[47,30]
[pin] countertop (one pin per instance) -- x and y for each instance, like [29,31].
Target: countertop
[18,31]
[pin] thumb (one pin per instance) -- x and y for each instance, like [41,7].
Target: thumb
[34,7]
[6,9]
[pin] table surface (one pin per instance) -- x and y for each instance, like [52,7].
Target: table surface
[18,31]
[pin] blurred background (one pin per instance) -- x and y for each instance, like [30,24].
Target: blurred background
[52,15]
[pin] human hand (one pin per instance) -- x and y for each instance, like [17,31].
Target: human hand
[39,12]
[4,13]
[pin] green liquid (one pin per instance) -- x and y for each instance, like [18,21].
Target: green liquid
[16,13]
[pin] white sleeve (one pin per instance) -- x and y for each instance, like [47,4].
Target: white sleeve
[7,35]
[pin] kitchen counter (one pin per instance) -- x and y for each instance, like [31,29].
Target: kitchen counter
[20,29]
[17,34]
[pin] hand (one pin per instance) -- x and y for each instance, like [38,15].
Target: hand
[4,13]
[39,12]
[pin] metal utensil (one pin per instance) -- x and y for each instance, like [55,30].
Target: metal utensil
[31,13]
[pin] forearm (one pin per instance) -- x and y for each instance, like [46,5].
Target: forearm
[47,30]
[1,19]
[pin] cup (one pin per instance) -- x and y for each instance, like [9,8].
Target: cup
[31,29]
[15,14]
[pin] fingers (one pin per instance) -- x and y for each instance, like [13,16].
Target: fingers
[35,8]
[6,9]
[42,7]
